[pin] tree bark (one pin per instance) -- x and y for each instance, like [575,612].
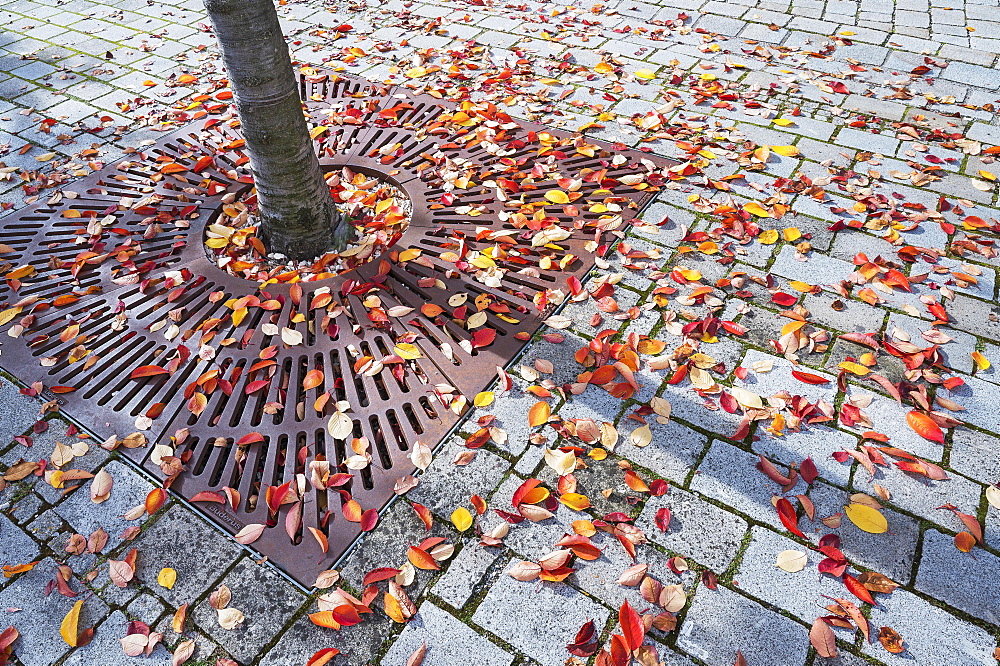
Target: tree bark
[297,215]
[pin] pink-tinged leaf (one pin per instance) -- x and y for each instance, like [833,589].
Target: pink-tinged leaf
[148,371]
[209,496]
[293,520]
[822,638]
[250,533]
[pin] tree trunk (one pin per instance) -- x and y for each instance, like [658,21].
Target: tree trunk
[297,216]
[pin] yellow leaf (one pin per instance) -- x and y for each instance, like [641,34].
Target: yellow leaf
[708,247]
[769,237]
[575,501]
[483,399]
[461,519]
[803,287]
[8,314]
[856,368]
[407,352]
[557,197]
[987,175]
[646,74]
[866,518]
[792,326]
[603,68]
[410,254]
[70,624]
[791,234]
[782,122]
[847,33]
[415,72]
[786,151]
[982,362]
[860,207]
[316,131]
[755,208]
[482,261]
[167,577]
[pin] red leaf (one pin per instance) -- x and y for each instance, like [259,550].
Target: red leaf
[148,371]
[632,627]
[369,519]
[808,470]
[786,512]
[209,496]
[809,378]
[378,575]
[424,514]
[855,587]
[663,518]
[250,438]
[322,657]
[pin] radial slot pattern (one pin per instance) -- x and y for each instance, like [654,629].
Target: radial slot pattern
[113,276]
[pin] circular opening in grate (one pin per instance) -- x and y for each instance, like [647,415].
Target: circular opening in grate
[376,206]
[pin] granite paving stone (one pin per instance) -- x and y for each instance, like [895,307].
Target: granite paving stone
[765,637]
[458,583]
[267,600]
[698,529]
[931,635]
[966,581]
[539,634]
[205,556]
[449,642]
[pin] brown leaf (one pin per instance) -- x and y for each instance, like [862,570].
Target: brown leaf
[891,640]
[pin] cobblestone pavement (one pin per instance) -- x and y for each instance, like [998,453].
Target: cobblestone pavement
[860,86]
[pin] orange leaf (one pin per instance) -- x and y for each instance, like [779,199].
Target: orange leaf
[155,500]
[324,619]
[313,379]
[421,559]
[148,371]
[964,541]
[322,657]
[539,413]
[924,426]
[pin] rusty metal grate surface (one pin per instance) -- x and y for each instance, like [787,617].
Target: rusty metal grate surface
[120,279]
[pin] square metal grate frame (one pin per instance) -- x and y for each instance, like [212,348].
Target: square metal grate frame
[119,279]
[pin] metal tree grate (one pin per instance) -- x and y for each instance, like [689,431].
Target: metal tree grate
[119,279]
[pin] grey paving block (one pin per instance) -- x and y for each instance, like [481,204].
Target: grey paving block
[128,491]
[984,77]
[967,581]
[267,600]
[384,546]
[867,141]
[975,455]
[780,378]
[544,638]
[464,572]
[40,616]
[981,402]
[975,316]
[930,634]
[816,441]
[18,547]
[357,644]
[672,452]
[20,411]
[180,539]
[892,553]
[765,637]
[445,486]
[728,475]
[760,577]
[449,642]
[816,269]
[700,530]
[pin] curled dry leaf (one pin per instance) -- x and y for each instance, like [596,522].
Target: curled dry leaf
[421,455]
[891,640]
[100,486]
[230,618]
